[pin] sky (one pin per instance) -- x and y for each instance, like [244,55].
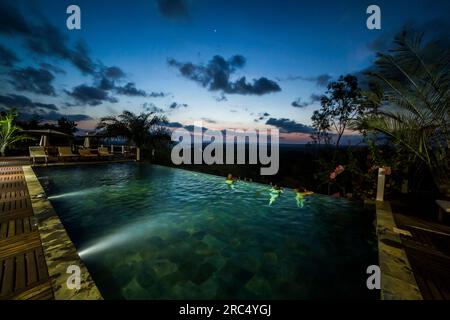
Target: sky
[231,64]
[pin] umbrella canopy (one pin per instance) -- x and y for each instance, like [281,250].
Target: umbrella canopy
[47,132]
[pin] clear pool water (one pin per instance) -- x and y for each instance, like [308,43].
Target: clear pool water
[153,232]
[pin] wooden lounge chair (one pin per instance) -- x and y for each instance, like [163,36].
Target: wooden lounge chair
[38,152]
[66,152]
[104,152]
[86,153]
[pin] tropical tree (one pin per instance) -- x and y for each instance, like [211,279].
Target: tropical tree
[67,126]
[143,129]
[9,132]
[414,109]
[341,104]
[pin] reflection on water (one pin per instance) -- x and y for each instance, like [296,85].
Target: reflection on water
[159,233]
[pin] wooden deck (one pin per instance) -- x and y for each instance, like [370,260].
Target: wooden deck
[428,251]
[23,270]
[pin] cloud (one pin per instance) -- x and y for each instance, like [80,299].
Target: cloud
[7,57]
[11,20]
[208,120]
[173,9]
[52,68]
[150,107]
[112,73]
[262,116]
[22,102]
[130,90]
[92,96]
[289,126]
[174,125]
[33,80]
[176,105]
[321,80]
[44,39]
[192,128]
[299,103]
[215,76]
[53,116]
[157,95]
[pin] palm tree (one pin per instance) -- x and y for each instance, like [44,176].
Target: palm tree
[9,132]
[143,129]
[411,87]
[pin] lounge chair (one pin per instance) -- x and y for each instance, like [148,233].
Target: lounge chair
[66,152]
[86,153]
[38,152]
[104,152]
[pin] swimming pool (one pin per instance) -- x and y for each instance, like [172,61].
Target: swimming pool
[152,232]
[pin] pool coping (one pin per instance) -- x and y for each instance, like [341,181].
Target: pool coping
[59,250]
[397,278]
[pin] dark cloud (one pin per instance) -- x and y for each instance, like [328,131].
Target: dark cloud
[321,80]
[157,95]
[23,103]
[53,116]
[150,107]
[262,116]
[92,96]
[130,90]
[7,57]
[221,98]
[173,9]
[33,80]
[174,125]
[192,128]
[215,76]
[80,58]
[112,73]
[175,105]
[11,20]
[299,103]
[208,120]
[44,39]
[289,126]
[52,68]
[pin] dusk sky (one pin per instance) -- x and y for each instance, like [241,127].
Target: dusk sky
[232,64]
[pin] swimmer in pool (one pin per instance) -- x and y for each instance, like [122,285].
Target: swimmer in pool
[300,194]
[300,198]
[275,192]
[230,181]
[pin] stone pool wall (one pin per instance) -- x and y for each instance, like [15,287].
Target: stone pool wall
[397,278]
[59,251]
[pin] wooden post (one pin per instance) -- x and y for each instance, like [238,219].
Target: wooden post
[112,148]
[123,149]
[138,154]
[380,184]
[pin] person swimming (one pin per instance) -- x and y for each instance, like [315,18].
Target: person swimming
[230,181]
[300,194]
[300,198]
[275,192]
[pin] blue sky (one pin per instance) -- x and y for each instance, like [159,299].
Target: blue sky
[293,45]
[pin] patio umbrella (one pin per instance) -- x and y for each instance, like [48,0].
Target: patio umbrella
[45,134]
